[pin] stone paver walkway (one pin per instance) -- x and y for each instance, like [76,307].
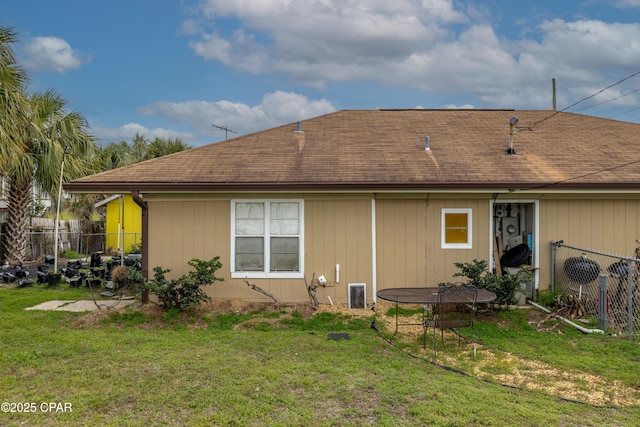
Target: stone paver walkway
[81,305]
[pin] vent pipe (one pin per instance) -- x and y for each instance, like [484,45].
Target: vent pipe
[299,127]
[427,143]
[513,126]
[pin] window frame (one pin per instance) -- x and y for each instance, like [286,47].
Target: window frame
[266,274]
[469,243]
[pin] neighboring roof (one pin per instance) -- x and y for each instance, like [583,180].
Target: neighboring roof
[378,150]
[107,200]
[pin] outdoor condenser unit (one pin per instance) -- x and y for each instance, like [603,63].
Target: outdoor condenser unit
[357,295]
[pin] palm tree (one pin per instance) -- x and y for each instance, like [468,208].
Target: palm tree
[12,100]
[161,147]
[115,155]
[49,134]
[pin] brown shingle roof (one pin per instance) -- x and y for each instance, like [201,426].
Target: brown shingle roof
[385,149]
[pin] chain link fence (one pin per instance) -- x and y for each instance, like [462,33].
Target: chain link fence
[606,285]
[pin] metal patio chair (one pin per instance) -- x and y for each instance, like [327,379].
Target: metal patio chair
[456,308]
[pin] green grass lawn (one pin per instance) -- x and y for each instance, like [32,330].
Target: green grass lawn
[277,369]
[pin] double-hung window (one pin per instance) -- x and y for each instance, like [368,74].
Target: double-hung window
[456,228]
[267,238]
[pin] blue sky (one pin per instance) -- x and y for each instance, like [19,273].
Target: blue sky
[173,68]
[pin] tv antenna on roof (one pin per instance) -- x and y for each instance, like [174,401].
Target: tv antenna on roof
[225,129]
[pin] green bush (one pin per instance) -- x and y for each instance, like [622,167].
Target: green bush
[505,286]
[186,291]
[548,299]
[72,254]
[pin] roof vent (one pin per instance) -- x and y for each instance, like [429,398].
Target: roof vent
[299,127]
[513,129]
[427,144]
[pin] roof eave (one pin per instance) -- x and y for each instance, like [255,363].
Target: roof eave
[160,187]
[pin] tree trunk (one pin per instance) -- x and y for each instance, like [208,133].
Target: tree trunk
[18,206]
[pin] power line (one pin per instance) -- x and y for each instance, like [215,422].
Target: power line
[609,169]
[625,112]
[609,100]
[588,97]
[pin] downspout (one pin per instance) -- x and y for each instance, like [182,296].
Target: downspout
[567,321]
[145,239]
[374,262]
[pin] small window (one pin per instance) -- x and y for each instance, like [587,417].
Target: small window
[456,228]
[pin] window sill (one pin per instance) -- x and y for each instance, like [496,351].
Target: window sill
[263,275]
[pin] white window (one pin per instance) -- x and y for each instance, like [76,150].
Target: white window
[267,238]
[456,228]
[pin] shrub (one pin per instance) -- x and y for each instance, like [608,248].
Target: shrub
[505,286]
[72,254]
[119,275]
[127,275]
[475,271]
[186,291]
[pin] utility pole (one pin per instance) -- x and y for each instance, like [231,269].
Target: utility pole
[225,129]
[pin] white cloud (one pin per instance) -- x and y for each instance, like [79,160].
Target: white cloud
[52,54]
[459,107]
[436,46]
[329,39]
[128,131]
[275,109]
[627,3]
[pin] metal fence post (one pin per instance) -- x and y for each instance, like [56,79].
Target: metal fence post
[554,246]
[630,271]
[603,302]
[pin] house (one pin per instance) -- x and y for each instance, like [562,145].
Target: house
[40,200]
[123,222]
[386,198]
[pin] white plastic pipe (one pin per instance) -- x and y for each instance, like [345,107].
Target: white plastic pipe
[337,273]
[567,321]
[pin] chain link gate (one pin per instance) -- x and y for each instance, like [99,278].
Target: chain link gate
[605,284]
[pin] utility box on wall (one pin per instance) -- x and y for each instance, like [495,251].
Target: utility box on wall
[357,295]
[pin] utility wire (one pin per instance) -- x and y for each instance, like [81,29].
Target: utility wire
[583,176]
[610,100]
[625,112]
[588,97]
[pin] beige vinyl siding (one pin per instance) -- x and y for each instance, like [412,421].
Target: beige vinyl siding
[408,228]
[440,262]
[409,240]
[182,230]
[338,231]
[600,224]
[401,227]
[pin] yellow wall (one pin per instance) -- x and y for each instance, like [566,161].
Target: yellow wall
[128,220]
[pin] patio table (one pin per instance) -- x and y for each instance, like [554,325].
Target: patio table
[427,296]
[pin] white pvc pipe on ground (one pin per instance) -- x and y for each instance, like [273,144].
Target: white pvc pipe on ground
[567,321]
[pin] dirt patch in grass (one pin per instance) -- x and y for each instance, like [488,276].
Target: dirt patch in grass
[156,317]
